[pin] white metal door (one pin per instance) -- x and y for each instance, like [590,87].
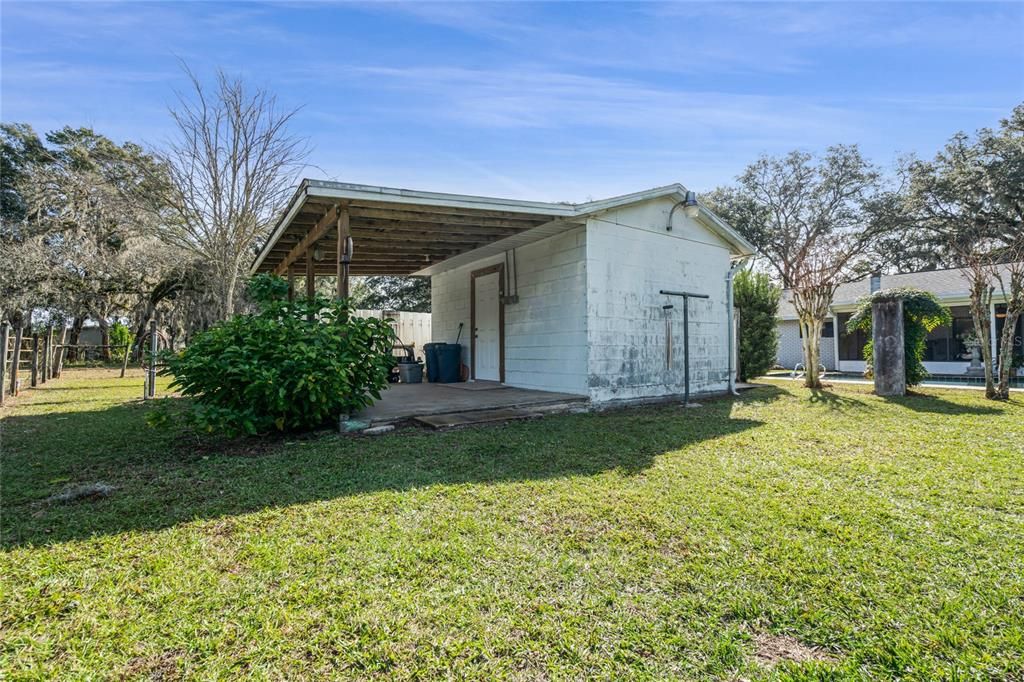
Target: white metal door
[487,358]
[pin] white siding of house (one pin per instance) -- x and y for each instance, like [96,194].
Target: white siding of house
[546,331]
[630,258]
[791,350]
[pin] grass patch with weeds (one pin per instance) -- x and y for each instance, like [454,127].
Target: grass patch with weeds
[787,534]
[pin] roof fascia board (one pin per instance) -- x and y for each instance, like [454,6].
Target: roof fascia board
[466,201]
[706,217]
[294,206]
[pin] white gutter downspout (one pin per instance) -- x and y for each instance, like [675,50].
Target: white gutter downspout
[732,326]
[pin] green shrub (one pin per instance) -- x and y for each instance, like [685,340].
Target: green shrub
[278,370]
[922,313]
[120,336]
[756,299]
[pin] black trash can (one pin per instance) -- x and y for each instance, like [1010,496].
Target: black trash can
[449,361]
[430,355]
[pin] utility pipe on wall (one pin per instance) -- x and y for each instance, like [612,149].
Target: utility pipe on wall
[732,326]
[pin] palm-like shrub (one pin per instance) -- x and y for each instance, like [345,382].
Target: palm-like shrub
[290,365]
[922,313]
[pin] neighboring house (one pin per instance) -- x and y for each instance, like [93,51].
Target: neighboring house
[549,296]
[945,352]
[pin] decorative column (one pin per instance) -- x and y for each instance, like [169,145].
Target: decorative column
[887,347]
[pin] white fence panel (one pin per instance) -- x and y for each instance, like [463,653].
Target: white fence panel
[412,328]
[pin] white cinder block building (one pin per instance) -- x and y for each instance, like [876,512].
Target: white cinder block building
[582,299]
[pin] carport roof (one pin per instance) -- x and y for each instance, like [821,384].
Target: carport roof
[403,232]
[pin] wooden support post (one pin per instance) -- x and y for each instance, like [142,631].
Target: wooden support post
[45,366]
[344,255]
[34,377]
[5,335]
[16,358]
[310,283]
[124,361]
[151,371]
[60,353]
[291,284]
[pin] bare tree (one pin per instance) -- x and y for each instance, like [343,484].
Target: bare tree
[232,165]
[815,223]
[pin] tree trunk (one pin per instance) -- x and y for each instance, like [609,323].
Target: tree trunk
[73,337]
[811,329]
[1014,309]
[229,279]
[1002,391]
[980,297]
[812,305]
[104,325]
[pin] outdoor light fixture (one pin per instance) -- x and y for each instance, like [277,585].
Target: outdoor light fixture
[690,206]
[318,254]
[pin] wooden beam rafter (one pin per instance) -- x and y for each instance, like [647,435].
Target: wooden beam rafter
[300,249]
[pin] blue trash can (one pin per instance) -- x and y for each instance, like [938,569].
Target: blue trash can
[449,361]
[430,355]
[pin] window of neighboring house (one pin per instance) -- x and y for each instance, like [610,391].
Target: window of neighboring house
[937,344]
[851,344]
[945,343]
[963,325]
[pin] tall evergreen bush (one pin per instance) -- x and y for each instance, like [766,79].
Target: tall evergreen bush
[756,299]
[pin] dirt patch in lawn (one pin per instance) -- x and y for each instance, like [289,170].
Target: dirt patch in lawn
[770,650]
[158,668]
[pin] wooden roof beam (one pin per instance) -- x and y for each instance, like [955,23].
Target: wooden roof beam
[318,231]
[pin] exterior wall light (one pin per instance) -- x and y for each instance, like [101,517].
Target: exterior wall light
[690,206]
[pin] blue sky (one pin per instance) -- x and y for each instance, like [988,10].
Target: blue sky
[564,101]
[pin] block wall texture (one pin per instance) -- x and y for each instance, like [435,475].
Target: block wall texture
[546,331]
[631,256]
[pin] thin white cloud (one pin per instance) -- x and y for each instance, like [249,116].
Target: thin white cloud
[535,98]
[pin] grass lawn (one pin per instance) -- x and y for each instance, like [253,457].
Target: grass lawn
[873,538]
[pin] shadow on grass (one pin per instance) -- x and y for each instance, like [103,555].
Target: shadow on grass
[923,402]
[164,478]
[835,401]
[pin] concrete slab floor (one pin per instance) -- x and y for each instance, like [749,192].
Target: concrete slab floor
[403,401]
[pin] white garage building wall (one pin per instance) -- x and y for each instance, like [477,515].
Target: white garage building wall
[630,258]
[546,331]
